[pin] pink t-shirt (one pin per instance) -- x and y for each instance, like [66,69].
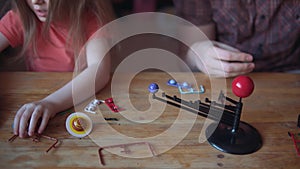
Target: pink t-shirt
[53,54]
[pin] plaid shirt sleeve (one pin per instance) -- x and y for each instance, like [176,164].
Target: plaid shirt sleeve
[268,30]
[198,12]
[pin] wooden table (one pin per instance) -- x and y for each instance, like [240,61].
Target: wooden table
[272,109]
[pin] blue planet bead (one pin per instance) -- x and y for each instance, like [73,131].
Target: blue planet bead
[172,82]
[185,85]
[153,88]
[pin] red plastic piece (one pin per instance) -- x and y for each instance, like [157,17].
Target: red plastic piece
[242,86]
[110,103]
[37,137]
[296,142]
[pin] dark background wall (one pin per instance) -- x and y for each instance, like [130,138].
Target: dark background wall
[4,7]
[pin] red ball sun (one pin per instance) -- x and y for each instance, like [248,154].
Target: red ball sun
[242,86]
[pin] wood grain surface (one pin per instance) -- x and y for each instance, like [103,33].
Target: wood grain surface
[272,109]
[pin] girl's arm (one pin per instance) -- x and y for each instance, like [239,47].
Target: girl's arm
[3,42]
[97,74]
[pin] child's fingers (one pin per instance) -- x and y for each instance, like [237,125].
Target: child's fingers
[17,120]
[24,121]
[37,113]
[45,119]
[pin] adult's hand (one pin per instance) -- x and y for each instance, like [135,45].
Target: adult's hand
[219,60]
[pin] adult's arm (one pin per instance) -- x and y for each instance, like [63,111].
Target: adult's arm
[205,54]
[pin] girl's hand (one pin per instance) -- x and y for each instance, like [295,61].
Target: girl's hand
[28,116]
[220,60]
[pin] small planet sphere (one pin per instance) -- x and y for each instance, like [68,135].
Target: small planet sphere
[153,88]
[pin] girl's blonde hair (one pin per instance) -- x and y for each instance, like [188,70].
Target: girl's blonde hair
[74,13]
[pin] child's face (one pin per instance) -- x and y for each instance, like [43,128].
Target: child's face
[40,8]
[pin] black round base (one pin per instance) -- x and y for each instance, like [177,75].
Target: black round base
[245,141]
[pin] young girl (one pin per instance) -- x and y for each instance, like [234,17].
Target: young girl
[51,34]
